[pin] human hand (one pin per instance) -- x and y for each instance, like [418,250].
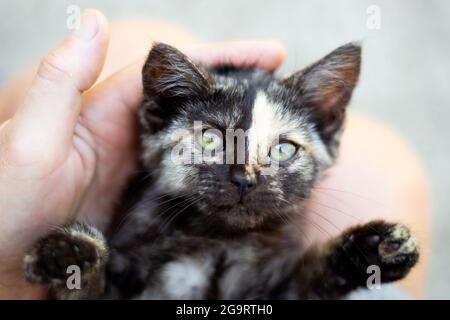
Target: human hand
[69,148]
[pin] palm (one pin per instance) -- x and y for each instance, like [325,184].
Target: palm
[84,177]
[114,129]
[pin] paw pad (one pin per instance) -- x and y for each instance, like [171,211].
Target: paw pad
[52,255]
[398,243]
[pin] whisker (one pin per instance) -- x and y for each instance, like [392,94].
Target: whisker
[340,230]
[142,203]
[343,212]
[173,217]
[327,220]
[317,226]
[313,223]
[290,222]
[333,208]
[324,189]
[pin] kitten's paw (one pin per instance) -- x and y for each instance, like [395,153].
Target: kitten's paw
[74,245]
[389,246]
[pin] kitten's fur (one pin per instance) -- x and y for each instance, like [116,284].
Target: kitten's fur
[190,233]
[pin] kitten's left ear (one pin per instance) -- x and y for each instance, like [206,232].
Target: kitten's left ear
[326,87]
[168,73]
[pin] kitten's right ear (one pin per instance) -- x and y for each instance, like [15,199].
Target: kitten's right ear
[168,73]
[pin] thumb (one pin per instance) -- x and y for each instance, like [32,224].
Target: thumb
[49,114]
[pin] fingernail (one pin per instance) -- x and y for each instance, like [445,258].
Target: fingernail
[88,26]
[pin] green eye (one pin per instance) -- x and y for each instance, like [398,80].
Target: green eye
[211,141]
[283,151]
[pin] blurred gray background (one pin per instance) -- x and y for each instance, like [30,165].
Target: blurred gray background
[406,70]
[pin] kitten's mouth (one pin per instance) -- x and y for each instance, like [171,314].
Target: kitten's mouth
[244,213]
[240,216]
[238,207]
[245,206]
[241,208]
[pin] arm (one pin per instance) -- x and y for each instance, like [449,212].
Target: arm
[335,268]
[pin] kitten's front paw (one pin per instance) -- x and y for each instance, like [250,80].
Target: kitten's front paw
[74,245]
[389,246]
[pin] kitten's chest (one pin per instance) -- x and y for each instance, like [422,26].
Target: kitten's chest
[185,277]
[200,268]
[209,270]
[182,266]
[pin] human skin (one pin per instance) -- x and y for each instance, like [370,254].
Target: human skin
[97,154]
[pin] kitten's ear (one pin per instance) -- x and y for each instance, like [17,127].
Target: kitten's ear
[326,86]
[168,73]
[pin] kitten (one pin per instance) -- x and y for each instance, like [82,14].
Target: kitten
[207,217]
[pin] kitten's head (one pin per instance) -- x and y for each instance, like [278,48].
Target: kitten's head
[243,145]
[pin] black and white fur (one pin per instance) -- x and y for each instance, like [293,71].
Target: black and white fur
[186,231]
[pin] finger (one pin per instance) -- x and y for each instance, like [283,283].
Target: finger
[124,89]
[267,55]
[51,109]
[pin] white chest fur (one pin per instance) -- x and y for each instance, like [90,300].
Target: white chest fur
[185,278]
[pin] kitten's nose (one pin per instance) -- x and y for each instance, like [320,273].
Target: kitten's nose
[242,182]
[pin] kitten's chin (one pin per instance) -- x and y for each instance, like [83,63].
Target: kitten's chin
[241,218]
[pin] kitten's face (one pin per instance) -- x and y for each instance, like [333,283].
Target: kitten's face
[245,146]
